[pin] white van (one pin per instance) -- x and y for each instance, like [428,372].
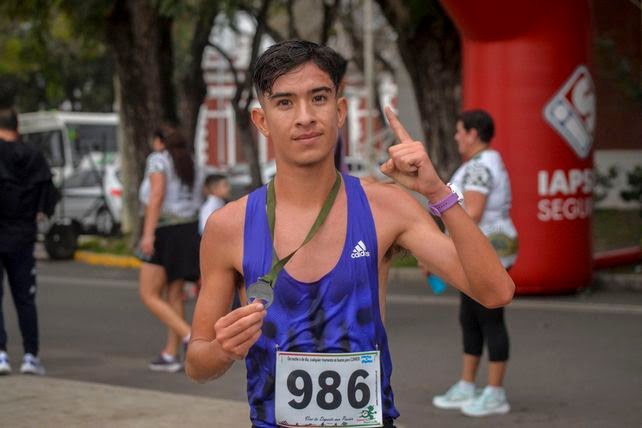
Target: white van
[66,138]
[81,149]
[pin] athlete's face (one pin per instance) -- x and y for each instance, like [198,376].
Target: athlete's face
[301,116]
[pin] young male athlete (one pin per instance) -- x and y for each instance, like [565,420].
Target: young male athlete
[316,352]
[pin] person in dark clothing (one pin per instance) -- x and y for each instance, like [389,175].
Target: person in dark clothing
[26,193]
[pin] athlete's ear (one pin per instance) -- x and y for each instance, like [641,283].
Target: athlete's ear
[259,120]
[342,109]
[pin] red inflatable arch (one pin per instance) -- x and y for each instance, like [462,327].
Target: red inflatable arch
[526,63]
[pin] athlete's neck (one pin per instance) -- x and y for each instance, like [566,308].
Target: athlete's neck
[304,186]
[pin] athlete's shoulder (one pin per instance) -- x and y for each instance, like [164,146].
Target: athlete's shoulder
[227,222]
[222,241]
[390,198]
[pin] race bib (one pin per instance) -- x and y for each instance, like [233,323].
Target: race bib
[315,390]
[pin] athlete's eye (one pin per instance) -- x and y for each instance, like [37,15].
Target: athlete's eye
[319,99]
[283,102]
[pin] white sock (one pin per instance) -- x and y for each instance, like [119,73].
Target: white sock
[466,386]
[167,357]
[496,390]
[187,338]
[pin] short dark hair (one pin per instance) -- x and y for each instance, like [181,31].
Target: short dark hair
[284,57]
[479,120]
[9,119]
[213,179]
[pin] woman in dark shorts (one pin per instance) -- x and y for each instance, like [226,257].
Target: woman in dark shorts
[169,246]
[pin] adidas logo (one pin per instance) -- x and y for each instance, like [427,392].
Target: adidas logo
[360,250]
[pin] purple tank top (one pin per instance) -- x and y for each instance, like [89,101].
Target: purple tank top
[338,313]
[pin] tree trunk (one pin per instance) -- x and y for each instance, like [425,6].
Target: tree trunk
[165,50]
[248,143]
[134,39]
[244,95]
[193,88]
[429,45]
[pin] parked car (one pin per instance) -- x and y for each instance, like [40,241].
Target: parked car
[91,203]
[93,197]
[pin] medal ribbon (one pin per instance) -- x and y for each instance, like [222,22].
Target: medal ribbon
[277,264]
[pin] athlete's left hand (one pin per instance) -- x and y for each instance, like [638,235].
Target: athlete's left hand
[409,164]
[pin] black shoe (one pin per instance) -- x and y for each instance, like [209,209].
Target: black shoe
[165,363]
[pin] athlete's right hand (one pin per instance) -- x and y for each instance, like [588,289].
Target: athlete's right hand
[410,165]
[237,331]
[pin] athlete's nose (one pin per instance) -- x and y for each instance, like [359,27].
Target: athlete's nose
[305,115]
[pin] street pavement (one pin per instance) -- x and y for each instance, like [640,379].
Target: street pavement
[575,360]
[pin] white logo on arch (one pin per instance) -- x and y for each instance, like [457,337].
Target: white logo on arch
[571,111]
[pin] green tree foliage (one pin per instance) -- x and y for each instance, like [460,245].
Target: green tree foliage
[43,62]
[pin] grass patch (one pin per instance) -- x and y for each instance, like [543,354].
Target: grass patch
[405,260]
[614,229]
[113,245]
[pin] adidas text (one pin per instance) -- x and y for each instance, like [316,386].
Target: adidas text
[360,250]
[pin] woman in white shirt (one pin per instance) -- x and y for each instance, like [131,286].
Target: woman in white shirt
[487,199]
[169,247]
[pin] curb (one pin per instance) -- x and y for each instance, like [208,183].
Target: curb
[104,259]
[601,280]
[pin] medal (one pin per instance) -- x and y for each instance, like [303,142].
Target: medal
[262,292]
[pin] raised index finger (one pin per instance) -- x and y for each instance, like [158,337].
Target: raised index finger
[397,127]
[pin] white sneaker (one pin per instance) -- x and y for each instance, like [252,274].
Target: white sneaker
[492,401]
[5,367]
[32,365]
[457,395]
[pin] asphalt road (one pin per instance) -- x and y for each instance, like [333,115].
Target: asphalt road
[575,360]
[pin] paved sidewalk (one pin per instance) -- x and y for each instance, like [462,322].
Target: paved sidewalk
[28,402]
[31,401]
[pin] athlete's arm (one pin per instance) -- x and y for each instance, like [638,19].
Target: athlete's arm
[466,259]
[220,337]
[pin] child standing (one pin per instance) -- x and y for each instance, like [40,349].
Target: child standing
[217,190]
